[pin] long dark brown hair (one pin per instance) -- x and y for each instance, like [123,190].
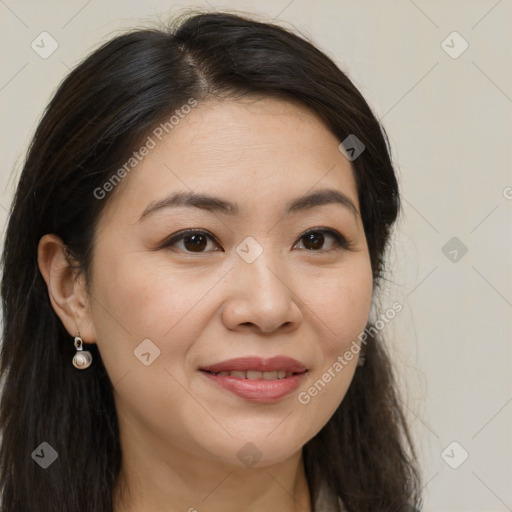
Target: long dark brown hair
[98,116]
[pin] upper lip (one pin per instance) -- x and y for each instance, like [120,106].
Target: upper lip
[258,364]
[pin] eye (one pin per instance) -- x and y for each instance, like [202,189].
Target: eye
[196,241]
[314,239]
[193,240]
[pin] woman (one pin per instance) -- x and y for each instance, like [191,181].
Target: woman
[189,267]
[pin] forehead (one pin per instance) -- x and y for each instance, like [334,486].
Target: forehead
[256,150]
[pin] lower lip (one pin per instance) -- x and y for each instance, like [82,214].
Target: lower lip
[260,390]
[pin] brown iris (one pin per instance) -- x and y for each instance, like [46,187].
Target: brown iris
[316,238]
[196,242]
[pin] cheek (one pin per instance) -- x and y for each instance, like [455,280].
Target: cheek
[341,308]
[143,297]
[136,302]
[341,303]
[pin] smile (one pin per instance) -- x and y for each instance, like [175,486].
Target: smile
[255,375]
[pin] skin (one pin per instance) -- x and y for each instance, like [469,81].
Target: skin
[180,433]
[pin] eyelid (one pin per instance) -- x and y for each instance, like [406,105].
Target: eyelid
[342,242]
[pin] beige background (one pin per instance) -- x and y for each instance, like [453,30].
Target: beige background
[449,121]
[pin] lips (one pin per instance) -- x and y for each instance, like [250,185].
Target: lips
[257,364]
[255,375]
[256,379]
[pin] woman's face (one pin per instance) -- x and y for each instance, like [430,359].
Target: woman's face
[249,285]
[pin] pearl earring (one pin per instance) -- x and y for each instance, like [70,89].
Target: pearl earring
[83,358]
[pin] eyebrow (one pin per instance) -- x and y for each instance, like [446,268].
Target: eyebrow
[216,204]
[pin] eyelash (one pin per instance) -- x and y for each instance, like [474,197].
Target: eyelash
[340,241]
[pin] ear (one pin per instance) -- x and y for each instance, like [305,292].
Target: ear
[66,290]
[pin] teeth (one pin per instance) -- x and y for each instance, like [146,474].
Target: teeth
[255,375]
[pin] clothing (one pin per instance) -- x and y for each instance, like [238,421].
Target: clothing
[328,503]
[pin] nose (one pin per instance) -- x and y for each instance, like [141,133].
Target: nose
[261,297]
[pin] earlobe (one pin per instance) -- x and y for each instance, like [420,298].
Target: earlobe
[67,292]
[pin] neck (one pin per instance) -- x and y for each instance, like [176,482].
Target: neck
[150,482]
